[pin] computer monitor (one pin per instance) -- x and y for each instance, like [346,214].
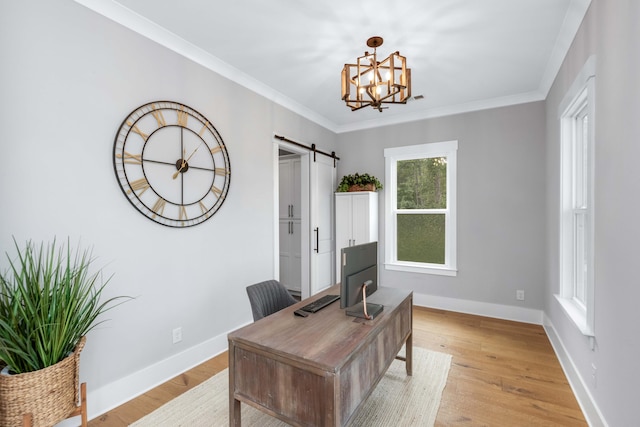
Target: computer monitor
[359,267]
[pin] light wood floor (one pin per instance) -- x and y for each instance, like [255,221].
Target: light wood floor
[502,374]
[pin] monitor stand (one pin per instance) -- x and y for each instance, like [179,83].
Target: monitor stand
[357,310]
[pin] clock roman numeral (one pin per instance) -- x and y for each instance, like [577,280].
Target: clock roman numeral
[159,118]
[158,207]
[182,214]
[215,190]
[140,185]
[203,208]
[204,128]
[130,159]
[182,118]
[221,171]
[216,149]
[138,131]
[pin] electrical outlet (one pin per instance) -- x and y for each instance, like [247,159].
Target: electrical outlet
[520,295]
[177,335]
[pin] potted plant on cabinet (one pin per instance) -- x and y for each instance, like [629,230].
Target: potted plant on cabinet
[359,182]
[49,301]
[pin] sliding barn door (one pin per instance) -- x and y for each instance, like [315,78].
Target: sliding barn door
[322,183]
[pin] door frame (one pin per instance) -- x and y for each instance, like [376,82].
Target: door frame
[305,256]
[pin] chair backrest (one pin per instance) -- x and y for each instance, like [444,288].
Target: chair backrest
[268,297]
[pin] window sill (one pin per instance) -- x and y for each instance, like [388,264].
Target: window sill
[416,268]
[576,314]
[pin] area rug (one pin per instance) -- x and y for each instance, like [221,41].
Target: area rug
[398,400]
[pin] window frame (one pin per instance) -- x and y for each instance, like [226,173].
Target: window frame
[577,176]
[446,149]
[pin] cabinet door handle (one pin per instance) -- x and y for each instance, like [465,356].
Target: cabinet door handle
[290,227]
[291,211]
[317,231]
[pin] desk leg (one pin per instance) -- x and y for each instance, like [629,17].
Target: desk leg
[409,354]
[234,404]
[234,413]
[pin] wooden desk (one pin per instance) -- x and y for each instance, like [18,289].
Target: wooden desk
[317,370]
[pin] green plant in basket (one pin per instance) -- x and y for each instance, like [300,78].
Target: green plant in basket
[359,181]
[48,301]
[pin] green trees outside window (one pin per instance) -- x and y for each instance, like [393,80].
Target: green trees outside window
[420,205]
[421,197]
[422,183]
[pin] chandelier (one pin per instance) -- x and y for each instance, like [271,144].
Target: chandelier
[372,83]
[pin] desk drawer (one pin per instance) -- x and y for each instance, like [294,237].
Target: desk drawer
[289,392]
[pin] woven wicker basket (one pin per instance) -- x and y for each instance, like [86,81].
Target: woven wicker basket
[49,394]
[366,187]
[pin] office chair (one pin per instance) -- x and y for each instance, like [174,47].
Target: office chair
[268,297]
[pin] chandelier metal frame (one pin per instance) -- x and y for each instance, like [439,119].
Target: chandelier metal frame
[370,82]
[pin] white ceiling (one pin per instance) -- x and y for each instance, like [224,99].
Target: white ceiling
[464,55]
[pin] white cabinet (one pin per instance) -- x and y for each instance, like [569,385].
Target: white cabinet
[290,255]
[290,223]
[356,220]
[289,169]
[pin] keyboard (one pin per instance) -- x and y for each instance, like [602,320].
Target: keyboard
[320,303]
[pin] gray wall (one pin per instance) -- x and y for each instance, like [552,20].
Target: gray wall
[68,79]
[611,31]
[508,214]
[501,187]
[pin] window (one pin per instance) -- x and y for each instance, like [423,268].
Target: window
[420,206]
[576,201]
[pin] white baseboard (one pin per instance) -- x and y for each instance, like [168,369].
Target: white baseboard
[580,390]
[125,389]
[589,408]
[114,394]
[498,311]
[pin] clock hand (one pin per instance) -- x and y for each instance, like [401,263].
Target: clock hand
[191,155]
[184,162]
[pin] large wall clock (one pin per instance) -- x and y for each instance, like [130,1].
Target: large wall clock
[171,164]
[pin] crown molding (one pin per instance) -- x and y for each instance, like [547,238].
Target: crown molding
[449,110]
[135,22]
[572,21]
[126,17]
